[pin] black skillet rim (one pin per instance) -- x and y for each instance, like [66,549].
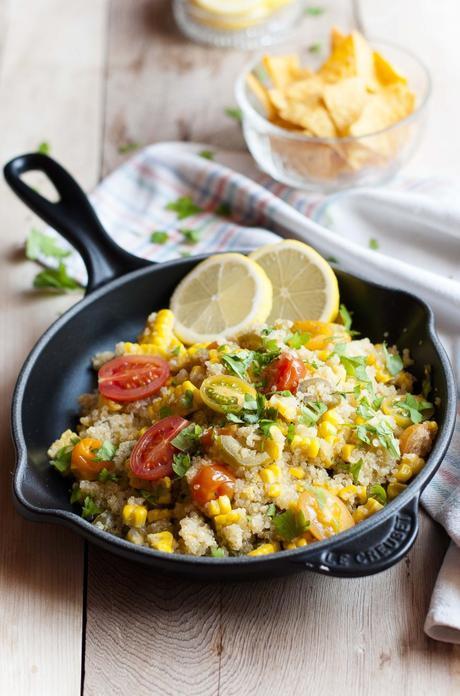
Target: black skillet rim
[72,520]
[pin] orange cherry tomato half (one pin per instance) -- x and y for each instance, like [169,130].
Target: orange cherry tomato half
[210,482]
[83,462]
[284,373]
[152,456]
[132,377]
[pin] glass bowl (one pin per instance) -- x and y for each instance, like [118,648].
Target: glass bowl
[332,164]
[239,31]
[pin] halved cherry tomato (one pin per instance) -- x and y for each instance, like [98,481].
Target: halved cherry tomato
[210,482]
[327,514]
[225,393]
[132,377]
[152,456]
[83,462]
[284,373]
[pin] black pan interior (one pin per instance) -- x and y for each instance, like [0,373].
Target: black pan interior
[61,371]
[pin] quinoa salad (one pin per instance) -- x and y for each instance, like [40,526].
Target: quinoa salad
[275,439]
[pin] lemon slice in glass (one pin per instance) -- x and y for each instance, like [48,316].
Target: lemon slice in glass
[222,296]
[304,285]
[229,7]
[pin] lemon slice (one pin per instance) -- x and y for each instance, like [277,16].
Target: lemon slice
[304,285]
[222,296]
[229,7]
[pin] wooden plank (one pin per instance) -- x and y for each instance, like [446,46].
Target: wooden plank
[52,60]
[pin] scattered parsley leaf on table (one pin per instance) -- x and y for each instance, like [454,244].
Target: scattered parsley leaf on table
[184,207]
[331,259]
[314,48]
[159,237]
[234,112]
[44,148]
[314,11]
[191,236]
[373,244]
[39,243]
[56,279]
[125,148]
[207,154]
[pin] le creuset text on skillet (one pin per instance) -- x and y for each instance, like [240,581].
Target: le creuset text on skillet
[122,290]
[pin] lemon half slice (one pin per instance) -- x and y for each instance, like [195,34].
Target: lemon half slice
[304,285]
[223,296]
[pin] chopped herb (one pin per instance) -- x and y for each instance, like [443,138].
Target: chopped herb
[413,407]
[265,426]
[298,339]
[290,432]
[354,366]
[311,412]
[176,350]
[285,392]
[39,243]
[188,438]
[165,411]
[184,207]
[207,154]
[159,237]
[253,410]
[263,358]
[379,493]
[106,452]
[383,433]
[125,148]
[185,254]
[331,259]
[233,112]
[191,236]
[181,464]
[44,148]
[56,279]
[75,495]
[314,11]
[187,399]
[150,496]
[238,363]
[393,361]
[90,509]
[314,48]
[223,209]
[217,552]
[61,461]
[345,316]
[355,469]
[106,475]
[290,524]
[271,510]
[373,244]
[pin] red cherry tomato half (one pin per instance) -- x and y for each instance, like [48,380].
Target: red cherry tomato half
[132,377]
[152,456]
[284,373]
[210,482]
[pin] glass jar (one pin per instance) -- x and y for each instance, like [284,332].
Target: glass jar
[237,23]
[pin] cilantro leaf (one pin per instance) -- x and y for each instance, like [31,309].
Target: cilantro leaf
[373,244]
[55,279]
[393,361]
[233,112]
[61,461]
[314,11]
[191,236]
[290,524]
[106,475]
[265,424]
[271,510]
[298,339]
[75,495]
[355,469]
[238,363]
[379,493]
[387,439]
[90,509]
[207,154]
[106,452]
[181,464]
[217,552]
[126,148]
[314,48]
[165,411]
[39,243]
[159,237]
[44,148]
[311,412]
[290,432]
[184,207]
[345,316]
[188,439]
[332,259]
[413,407]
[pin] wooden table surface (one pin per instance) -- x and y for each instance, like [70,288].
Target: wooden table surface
[89,76]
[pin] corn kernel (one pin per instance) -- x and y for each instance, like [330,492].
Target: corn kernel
[359,420]
[265,549]
[232,517]
[213,508]
[297,472]
[300,542]
[267,475]
[299,487]
[285,405]
[347,452]
[403,472]
[134,515]
[415,462]
[165,481]
[274,490]
[155,515]
[313,448]
[371,359]
[347,492]
[363,511]
[325,429]
[323,355]
[361,492]
[161,541]
[135,537]
[331,417]
[224,504]
[382,376]
[289,545]
[394,489]
[373,505]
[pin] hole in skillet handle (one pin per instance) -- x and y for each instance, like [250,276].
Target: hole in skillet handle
[374,550]
[72,216]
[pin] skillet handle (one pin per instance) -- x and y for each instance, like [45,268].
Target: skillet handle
[72,216]
[371,552]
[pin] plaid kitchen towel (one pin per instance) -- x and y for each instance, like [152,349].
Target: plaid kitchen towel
[405,235]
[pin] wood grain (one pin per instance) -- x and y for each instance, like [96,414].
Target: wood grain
[49,90]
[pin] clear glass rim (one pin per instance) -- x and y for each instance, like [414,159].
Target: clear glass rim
[270,128]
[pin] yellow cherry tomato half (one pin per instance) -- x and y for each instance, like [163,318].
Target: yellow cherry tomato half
[226,394]
[327,514]
[84,463]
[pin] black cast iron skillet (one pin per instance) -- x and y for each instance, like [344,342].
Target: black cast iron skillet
[122,290]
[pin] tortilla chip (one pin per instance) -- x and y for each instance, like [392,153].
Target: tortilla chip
[336,38]
[311,116]
[305,89]
[345,101]
[390,105]
[261,93]
[385,72]
[283,70]
[352,57]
